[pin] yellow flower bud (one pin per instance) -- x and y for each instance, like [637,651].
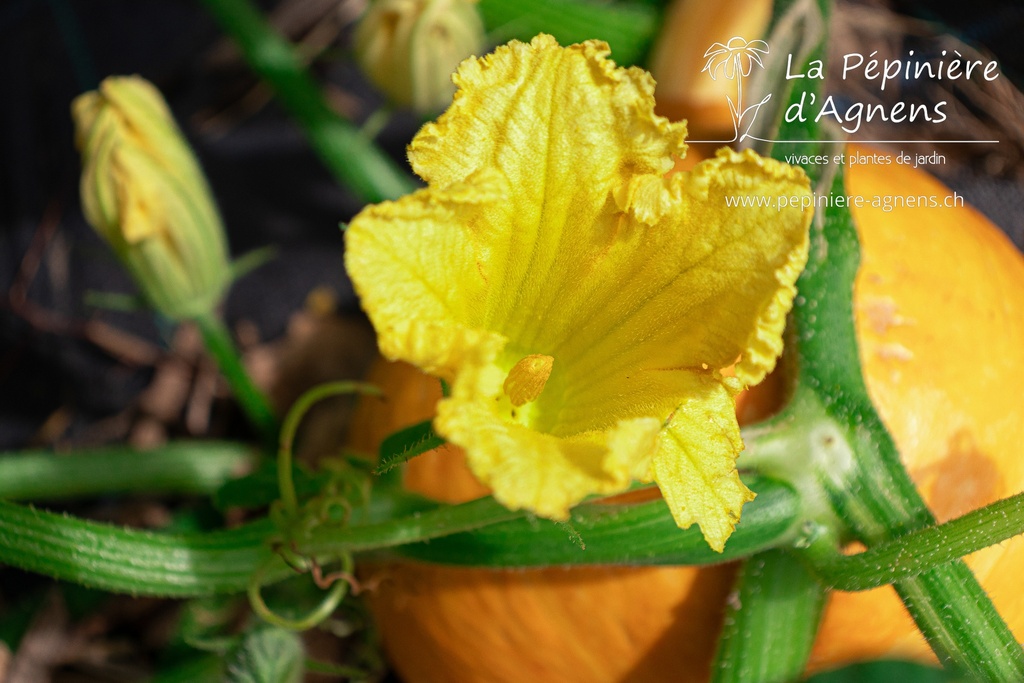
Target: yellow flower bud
[143,191]
[410,48]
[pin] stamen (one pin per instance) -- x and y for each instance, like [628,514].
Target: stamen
[527,378]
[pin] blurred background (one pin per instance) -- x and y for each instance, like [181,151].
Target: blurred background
[75,374]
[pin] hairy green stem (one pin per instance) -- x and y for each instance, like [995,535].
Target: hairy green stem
[860,468]
[182,565]
[853,458]
[193,564]
[639,533]
[918,551]
[325,540]
[770,625]
[352,158]
[255,404]
[974,639]
[135,562]
[183,467]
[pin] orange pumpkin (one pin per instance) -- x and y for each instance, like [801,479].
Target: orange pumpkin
[940,320]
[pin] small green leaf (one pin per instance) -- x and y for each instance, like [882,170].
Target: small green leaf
[206,668]
[268,655]
[885,671]
[251,260]
[405,444]
[115,301]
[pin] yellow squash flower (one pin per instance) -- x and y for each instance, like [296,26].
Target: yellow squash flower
[582,303]
[144,192]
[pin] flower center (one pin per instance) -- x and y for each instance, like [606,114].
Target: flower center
[527,378]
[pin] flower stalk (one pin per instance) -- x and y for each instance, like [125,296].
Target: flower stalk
[252,400]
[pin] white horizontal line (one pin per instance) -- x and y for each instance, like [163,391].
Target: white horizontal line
[843,142]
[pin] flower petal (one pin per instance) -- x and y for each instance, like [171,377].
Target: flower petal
[416,262]
[565,129]
[706,285]
[527,468]
[695,462]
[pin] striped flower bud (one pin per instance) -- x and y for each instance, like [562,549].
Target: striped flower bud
[410,48]
[143,191]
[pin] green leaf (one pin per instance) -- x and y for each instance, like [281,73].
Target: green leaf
[116,301]
[208,668]
[251,260]
[629,28]
[885,672]
[406,443]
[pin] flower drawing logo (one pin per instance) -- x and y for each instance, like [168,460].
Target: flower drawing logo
[735,60]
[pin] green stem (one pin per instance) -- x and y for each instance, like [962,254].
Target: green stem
[193,564]
[640,533]
[187,565]
[325,540]
[860,468]
[353,159]
[253,401]
[976,641]
[135,562]
[856,462]
[771,623]
[191,468]
[916,552]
